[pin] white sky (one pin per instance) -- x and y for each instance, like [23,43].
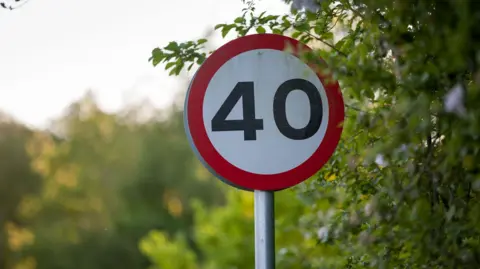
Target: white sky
[52,51]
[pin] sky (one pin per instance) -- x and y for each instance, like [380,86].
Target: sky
[53,51]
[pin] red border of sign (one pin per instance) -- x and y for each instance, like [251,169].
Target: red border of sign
[205,147]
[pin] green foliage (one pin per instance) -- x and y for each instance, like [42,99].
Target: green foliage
[169,255]
[84,194]
[225,234]
[404,181]
[176,55]
[17,181]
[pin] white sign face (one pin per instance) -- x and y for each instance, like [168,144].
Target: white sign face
[265,111]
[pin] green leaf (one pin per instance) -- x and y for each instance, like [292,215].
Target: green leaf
[175,71]
[201,41]
[340,42]
[239,20]
[155,61]
[156,52]
[170,64]
[172,46]
[201,58]
[157,56]
[327,36]
[266,19]
[296,34]
[186,45]
[319,29]
[260,30]
[303,26]
[277,31]
[219,26]
[305,39]
[311,15]
[271,17]
[285,21]
[227,29]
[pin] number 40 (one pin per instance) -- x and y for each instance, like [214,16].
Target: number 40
[250,125]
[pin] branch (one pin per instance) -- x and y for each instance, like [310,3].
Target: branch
[354,11]
[10,6]
[355,108]
[326,43]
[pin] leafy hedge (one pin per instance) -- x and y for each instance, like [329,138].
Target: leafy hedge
[402,190]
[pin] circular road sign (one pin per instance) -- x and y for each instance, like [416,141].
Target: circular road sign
[260,118]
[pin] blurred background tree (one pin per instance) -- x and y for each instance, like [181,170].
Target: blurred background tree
[83,195]
[17,181]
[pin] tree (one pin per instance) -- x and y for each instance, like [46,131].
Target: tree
[86,160]
[107,179]
[406,172]
[224,234]
[17,181]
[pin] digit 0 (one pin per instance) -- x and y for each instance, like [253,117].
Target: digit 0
[280,113]
[249,124]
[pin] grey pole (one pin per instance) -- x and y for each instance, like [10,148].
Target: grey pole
[264,230]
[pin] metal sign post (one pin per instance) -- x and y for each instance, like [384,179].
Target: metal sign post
[264,230]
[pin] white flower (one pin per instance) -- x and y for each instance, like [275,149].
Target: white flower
[322,234]
[311,5]
[369,207]
[365,238]
[380,160]
[454,100]
[352,163]
[354,219]
[307,235]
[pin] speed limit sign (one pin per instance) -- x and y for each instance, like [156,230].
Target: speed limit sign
[260,118]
